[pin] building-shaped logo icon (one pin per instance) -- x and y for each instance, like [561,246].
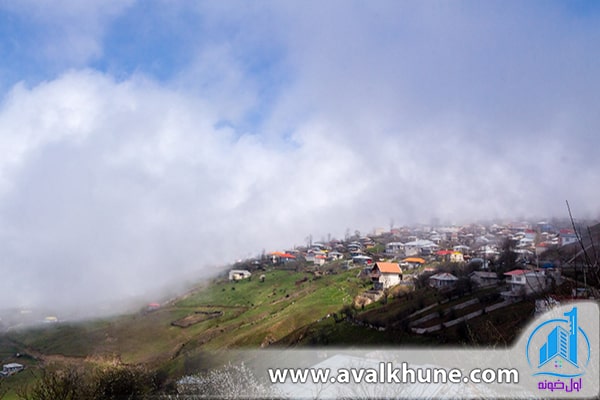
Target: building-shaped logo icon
[561,342]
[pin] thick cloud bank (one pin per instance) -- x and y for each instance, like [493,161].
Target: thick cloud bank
[281,122]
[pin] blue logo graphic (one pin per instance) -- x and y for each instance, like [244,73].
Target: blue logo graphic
[562,342]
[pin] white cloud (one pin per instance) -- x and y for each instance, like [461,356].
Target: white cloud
[117,187]
[110,183]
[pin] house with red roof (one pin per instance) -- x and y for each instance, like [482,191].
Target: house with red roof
[523,282]
[385,275]
[317,257]
[281,257]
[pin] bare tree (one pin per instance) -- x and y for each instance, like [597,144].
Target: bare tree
[232,381]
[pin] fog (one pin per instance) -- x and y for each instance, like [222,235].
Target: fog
[150,143]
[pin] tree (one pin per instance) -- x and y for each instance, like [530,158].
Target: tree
[232,381]
[507,259]
[124,383]
[131,382]
[56,384]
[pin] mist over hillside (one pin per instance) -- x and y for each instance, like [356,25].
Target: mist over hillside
[133,158]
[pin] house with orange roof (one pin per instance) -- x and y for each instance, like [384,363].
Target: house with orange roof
[413,262]
[319,259]
[385,275]
[281,257]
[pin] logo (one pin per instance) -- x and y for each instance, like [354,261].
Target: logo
[559,348]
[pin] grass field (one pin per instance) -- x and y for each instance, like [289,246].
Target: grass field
[255,313]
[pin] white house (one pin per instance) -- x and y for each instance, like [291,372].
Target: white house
[442,280]
[525,242]
[238,274]
[362,260]
[12,368]
[394,248]
[566,236]
[523,282]
[319,260]
[316,256]
[385,275]
[419,247]
[462,248]
[354,246]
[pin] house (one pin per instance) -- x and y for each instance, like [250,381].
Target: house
[523,282]
[488,252]
[12,368]
[316,256]
[335,255]
[462,248]
[385,275]
[319,259]
[525,243]
[450,255]
[280,257]
[442,280]
[362,260]
[413,262]
[238,274]
[457,257]
[443,255]
[484,278]
[354,247]
[566,236]
[394,248]
[435,237]
[419,247]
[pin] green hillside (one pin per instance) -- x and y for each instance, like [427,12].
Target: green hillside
[247,313]
[279,308]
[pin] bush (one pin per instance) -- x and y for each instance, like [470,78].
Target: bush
[104,384]
[56,384]
[124,383]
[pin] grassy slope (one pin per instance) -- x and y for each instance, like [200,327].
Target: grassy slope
[499,327]
[254,313]
[286,309]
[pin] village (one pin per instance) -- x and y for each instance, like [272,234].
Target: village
[477,284]
[488,266]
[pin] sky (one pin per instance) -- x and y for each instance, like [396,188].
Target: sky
[146,141]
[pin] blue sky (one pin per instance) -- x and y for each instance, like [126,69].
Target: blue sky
[136,135]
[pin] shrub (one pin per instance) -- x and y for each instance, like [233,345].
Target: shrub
[106,384]
[56,384]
